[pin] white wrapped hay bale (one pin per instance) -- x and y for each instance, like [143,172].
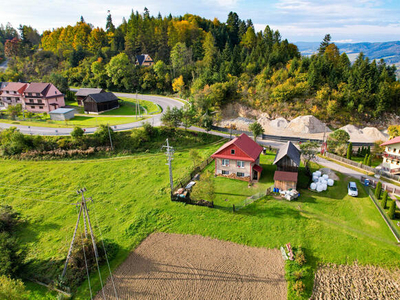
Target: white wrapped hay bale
[318,173]
[331,182]
[323,181]
[319,188]
[313,186]
[315,178]
[324,186]
[325,176]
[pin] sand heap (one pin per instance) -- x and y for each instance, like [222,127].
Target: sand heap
[307,124]
[264,121]
[368,134]
[239,123]
[280,123]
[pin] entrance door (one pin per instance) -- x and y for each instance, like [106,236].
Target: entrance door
[255,175]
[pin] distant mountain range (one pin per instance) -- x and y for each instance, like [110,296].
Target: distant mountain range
[389,51]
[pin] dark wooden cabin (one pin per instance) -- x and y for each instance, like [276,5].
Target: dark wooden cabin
[287,161]
[97,103]
[82,93]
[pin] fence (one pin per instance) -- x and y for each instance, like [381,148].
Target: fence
[251,199]
[389,223]
[186,179]
[279,138]
[385,186]
[362,166]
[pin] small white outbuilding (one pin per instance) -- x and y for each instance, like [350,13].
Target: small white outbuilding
[62,114]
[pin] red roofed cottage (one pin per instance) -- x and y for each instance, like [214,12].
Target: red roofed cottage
[43,97]
[239,158]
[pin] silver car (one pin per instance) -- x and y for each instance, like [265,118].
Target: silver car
[352,189]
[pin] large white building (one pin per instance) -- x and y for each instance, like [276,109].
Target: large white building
[391,156]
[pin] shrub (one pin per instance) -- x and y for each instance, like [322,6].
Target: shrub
[384,199]
[341,150]
[298,275]
[392,209]
[138,137]
[8,218]
[149,130]
[103,134]
[63,143]
[11,256]
[13,142]
[11,289]
[369,160]
[299,287]
[300,257]
[349,150]
[77,133]
[378,190]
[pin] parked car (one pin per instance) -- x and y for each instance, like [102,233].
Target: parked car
[352,189]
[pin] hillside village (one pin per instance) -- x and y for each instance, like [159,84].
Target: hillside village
[239,176]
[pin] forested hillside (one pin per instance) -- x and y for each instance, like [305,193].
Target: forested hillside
[208,61]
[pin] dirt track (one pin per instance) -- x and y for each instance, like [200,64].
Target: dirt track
[174,266]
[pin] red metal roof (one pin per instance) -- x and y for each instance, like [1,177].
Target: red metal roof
[250,150]
[396,140]
[285,176]
[257,168]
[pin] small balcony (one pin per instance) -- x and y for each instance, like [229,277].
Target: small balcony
[391,155]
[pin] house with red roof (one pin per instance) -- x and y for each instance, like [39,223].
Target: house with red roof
[239,158]
[12,93]
[391,156]
[42,97]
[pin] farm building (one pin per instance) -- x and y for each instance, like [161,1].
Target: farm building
[84,92]
[287,161]
[62,114]
[239,158]
[101,102]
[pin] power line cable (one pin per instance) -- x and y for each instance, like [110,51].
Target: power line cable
[105,251]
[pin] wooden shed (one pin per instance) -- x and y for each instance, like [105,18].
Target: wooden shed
[98,103]
[285,180]
[82,93]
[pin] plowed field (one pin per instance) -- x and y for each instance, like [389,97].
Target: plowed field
[174,266]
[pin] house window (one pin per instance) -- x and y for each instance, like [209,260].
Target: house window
[225,162]
[394,150]
[390,148]
[233,151]
[30,100]
[8,98]
[240,164]
[32,107]
[225,172]
[17,98]
[40,101]
[29,94]
[40,107]
[37,94]
[240,174]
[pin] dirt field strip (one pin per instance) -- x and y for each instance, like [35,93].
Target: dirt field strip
[174,266]
[356,282]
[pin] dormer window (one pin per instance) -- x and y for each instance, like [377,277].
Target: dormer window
[38,94]
[233,151]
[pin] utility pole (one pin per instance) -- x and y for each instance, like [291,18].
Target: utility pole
[170,157]
[136,106]
[109,134]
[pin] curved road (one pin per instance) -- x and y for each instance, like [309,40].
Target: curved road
[155,120]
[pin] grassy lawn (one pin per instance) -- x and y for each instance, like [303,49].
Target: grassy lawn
[129,106]
[131,200]
[81,121]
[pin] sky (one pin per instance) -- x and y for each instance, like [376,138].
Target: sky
[296,20]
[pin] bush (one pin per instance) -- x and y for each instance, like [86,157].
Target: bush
[298,275]
[369,160]
[8,218]
[11,256]
[392,210]
[378,190]
[300,257]
[77,133]
[13,142]
[103,134]
[349,150]
[299,287]
[384,199]
[11,289]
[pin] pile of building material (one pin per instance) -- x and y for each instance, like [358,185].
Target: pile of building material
[367,134]
[307,124]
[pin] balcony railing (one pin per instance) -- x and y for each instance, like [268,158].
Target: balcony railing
[391,155]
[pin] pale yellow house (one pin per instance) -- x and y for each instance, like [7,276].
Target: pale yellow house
[391,156]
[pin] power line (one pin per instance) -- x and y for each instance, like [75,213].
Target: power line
[170,157]
[105,251]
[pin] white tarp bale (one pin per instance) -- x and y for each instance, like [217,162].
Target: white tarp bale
[324,187]
[331,182]
[323,181]
[318,173]
[315,178]
[313,186]
[325,176]
[319,188]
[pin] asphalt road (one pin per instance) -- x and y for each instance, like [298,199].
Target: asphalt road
[155,120]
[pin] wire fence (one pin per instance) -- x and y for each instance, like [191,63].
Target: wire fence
[251,199]
[388,222]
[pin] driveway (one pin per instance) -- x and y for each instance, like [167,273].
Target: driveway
[155,120]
